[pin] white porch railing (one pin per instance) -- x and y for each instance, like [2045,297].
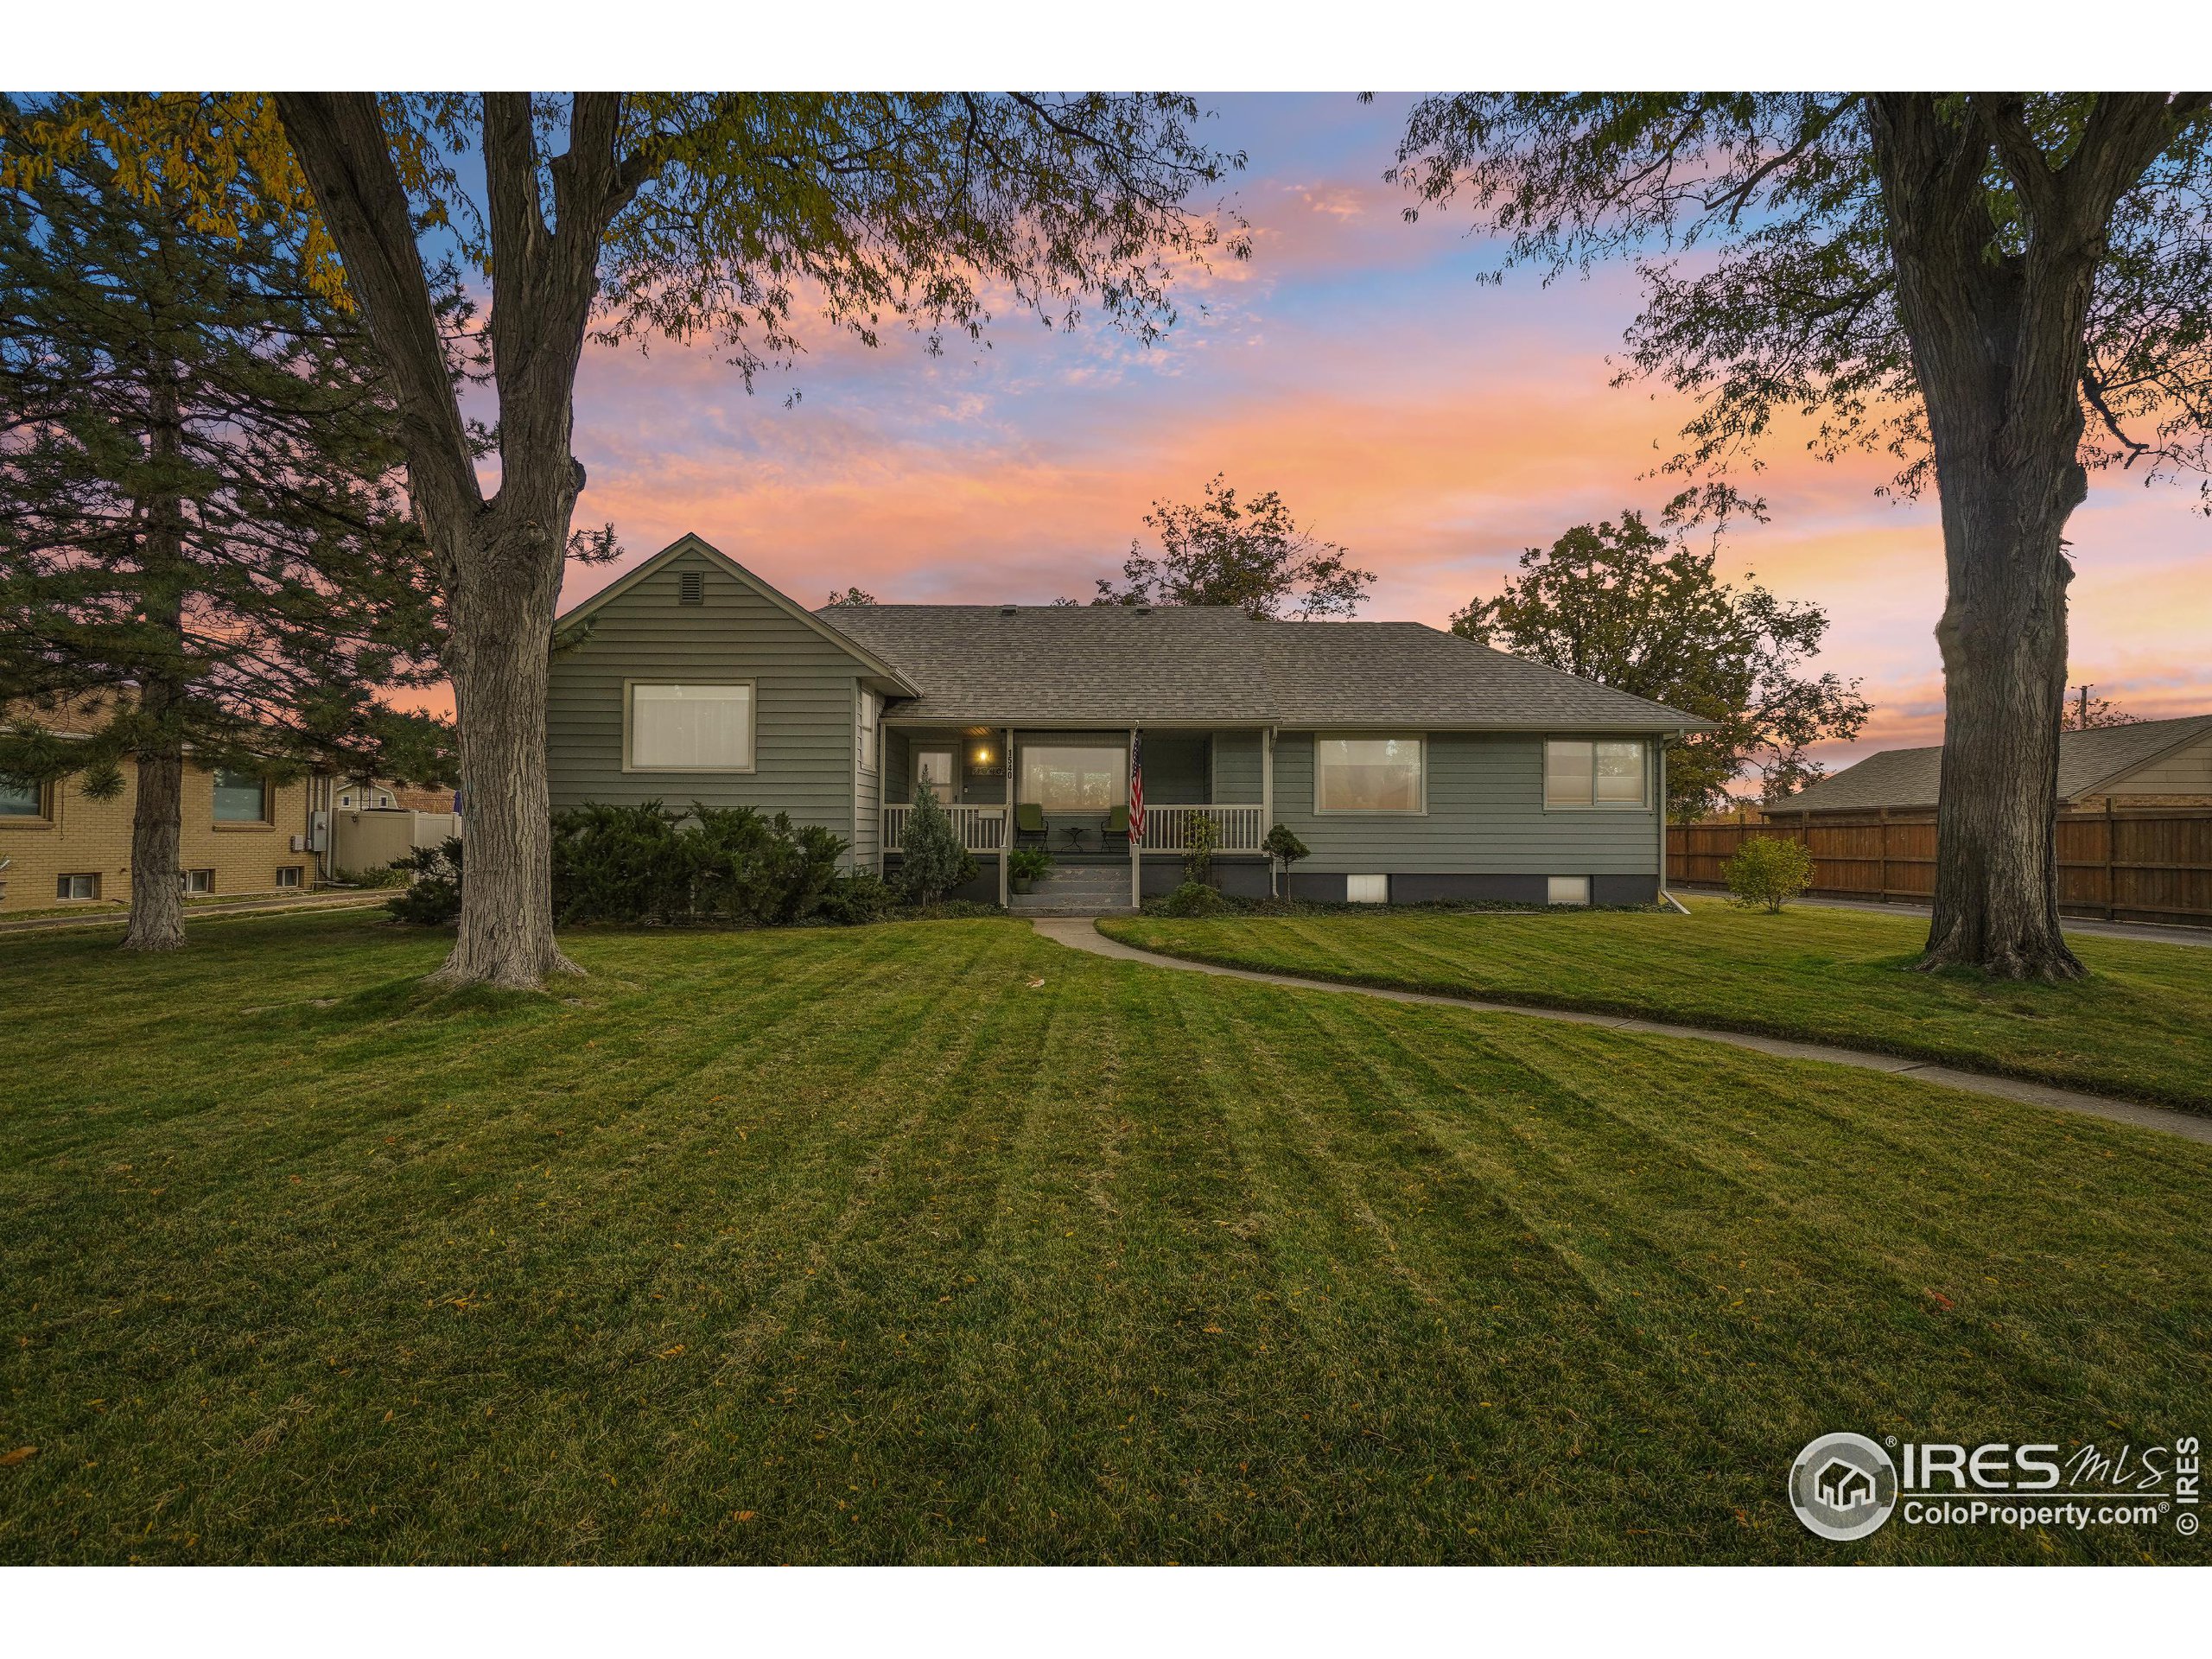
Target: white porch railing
[1167,828]
[981,828]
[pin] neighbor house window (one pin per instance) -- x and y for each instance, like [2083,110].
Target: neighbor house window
[1070,777]
[1367,889]
[288,875]
[934,767]
[77,887]
[200,880]
[1567,890]
[1581,771]
[240,797]
[691,727]
[1368,774]
[871,712]
[21,798]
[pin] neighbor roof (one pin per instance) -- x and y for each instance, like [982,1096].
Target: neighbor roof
[1040,664]
[1907,778]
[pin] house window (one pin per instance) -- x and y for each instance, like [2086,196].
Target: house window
[1579,773]
[691,727]
[1074,777]
[1367,889]
[370,799]
[934,767]
[1368,774]
[288,875]
[240,797]
[21,798]
[871,713]
[199,881]
[1567,890]
[77,887]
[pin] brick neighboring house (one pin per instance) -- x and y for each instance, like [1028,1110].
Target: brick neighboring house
[240,830]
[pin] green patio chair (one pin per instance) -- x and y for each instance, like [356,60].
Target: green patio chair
[1116,826]
[1028,823]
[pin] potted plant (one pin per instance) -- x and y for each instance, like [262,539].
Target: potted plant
[1024,865]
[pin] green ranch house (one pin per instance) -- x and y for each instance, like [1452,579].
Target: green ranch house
[1415,765]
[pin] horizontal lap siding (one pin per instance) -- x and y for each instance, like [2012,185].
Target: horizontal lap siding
[804,687]
[1236,774]
[1485,816]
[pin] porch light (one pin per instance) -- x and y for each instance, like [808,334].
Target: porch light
[982,755]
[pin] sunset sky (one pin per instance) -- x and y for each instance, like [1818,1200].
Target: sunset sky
[1432,425]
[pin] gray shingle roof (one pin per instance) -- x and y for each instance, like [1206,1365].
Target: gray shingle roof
[1112,664]
[1907,778]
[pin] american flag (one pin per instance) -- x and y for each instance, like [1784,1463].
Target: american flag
[1136,787]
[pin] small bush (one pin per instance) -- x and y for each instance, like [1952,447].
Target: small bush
[1191,899]
[934,863]
[1197,855]
[855,900]
[1768,871]
[433,898]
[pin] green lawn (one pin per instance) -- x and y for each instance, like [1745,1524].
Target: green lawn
[867,1246]
[2141,1027]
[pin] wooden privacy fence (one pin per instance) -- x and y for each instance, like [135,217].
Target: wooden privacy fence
[2147,864]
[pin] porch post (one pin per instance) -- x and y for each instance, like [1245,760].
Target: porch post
[1006,826]
[1268,796]
[1136,842]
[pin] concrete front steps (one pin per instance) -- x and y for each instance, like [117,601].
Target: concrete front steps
[1076,890]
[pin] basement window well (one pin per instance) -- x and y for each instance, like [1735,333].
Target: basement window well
[1567,890]
[1367,889]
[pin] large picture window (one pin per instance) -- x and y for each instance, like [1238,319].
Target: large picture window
[1583,772]
[20,798]
[1073,778]
[240,797]
[691,727]
[1368,774]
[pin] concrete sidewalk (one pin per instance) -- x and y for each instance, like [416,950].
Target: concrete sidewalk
[121,915]
[1082,934]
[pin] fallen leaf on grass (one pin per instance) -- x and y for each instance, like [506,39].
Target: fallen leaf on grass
[10,1460]
[1036,984]
[1939,1299]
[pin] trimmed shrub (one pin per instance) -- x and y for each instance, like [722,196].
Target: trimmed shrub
[644,863]
[432,898]
[1768,871]
[1283,848]
[933,861]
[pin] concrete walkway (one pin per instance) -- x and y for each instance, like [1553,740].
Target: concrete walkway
[121,913]
[2148,932]
[1079,933]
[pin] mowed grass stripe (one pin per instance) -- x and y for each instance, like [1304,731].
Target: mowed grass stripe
[2141,1028]
[862,1246]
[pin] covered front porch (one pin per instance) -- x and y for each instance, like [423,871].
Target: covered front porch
[1067,791]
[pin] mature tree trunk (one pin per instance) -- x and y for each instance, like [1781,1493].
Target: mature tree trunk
[1997,350]
[156,819]
[500,560]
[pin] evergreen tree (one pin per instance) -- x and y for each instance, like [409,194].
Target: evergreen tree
[933,861]
[206,556]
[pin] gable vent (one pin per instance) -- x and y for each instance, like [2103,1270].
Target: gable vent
[691,587]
